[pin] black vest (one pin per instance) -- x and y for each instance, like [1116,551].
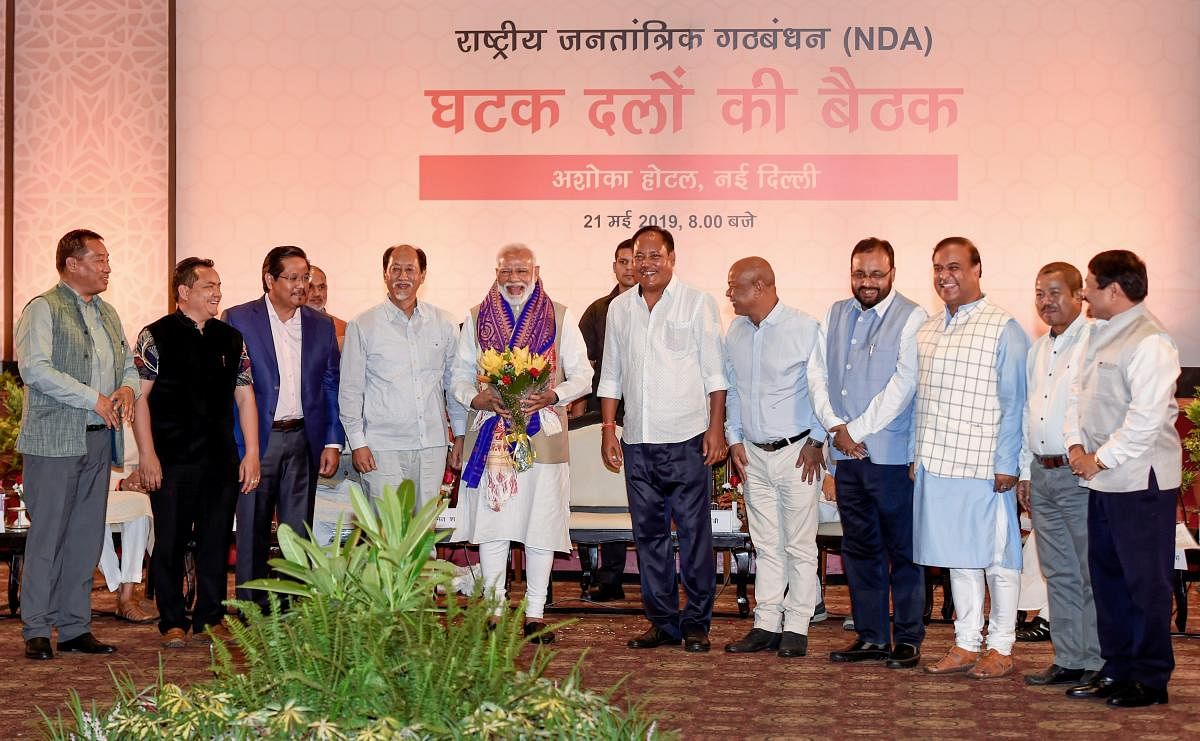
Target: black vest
[191,403]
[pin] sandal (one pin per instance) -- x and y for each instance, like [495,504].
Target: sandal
[1034,631]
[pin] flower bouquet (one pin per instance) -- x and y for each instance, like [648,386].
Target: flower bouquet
[516,374]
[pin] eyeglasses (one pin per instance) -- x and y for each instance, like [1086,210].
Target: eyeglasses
[296,277]
[876,275]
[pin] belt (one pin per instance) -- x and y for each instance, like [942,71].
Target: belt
[769,447]
[287,425]
[96,428]
[1051,461]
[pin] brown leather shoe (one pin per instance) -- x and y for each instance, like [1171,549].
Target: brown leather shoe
[174,638]
[134,612]
[991,665]
[957,660]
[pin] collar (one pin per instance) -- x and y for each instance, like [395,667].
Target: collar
[396,313]
[274,316]
[882,307]
[965,308]
[1125,317]
[79,298]
[775,315]
[616,291]
[1074,328]
[188,321]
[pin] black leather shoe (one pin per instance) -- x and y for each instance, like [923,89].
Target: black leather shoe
[903,656]
[1034,631]
[861,651]
[1099,687]
[792,645]
[1055,674]
[1138,695]
[536,632]
[695,640]
[607,593]
[38,649]
[653,638]
[85,644]
[757,639]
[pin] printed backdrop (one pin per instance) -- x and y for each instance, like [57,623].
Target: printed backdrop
[1042,131]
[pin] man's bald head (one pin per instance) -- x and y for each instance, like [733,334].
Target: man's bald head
[515,251]
[752,288]
[754,269]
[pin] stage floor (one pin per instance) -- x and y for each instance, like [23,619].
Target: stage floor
[713,695]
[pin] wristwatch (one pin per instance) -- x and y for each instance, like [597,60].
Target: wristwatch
[813,442]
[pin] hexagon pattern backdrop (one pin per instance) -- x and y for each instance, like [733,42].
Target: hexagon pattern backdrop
[90,130]
[305,122]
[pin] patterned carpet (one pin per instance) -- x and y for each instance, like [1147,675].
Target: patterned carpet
[715,695]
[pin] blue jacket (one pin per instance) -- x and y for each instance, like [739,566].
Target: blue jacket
[319,375]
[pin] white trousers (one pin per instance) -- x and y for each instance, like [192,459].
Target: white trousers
[134,536]
[1033,585]
[782,512]
[968,587]
[424,467]
[493,560]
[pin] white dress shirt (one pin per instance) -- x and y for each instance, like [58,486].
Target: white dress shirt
[1048,370]
[887,403]
[766,367]
[395,377]
[287,337]
[664,363]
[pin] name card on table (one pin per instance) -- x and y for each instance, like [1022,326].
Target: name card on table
[726,520]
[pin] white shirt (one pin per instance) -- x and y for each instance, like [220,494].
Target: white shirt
[287,337]
[664,363]
[895,395]
[395,376]
[1048,371]
[766,367]
[572,359]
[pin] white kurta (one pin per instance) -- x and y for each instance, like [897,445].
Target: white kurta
[538,515]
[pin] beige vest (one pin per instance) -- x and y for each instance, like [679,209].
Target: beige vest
[548,448]
[1104,399]
[957,410]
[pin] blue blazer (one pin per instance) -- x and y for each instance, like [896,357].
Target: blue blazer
[320,361]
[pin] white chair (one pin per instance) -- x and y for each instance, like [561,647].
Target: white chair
[599,504]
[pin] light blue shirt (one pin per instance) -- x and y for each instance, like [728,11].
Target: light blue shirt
[395,377]
[767,369]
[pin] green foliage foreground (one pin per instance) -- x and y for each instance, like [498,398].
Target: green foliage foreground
[366,651]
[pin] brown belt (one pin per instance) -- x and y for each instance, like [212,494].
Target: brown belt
[1051,461]
[287,425]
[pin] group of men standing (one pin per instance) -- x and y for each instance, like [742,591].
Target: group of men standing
[937,426]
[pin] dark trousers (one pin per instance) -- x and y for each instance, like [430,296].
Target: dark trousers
[665,482]
[195,502]
[287,490]
[875,502]
[612,564]
[1131,551]
[66,498]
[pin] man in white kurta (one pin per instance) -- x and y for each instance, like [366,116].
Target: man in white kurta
[970,400]
[536,514]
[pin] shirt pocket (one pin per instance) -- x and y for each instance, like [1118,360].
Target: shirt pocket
[677,337]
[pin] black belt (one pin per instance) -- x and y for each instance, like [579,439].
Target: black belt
[96,428]
[769,447]
[287,425]
[1051,461]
